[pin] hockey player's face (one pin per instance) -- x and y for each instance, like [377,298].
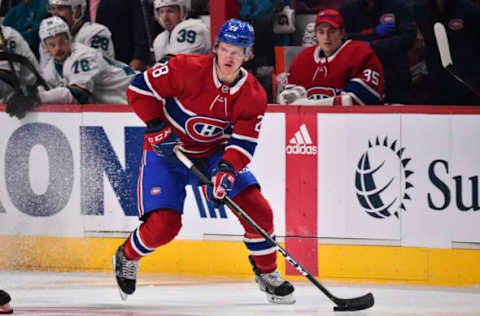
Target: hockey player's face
[229,58]
[170,16]
[329,38]
[58,47]
[63,11]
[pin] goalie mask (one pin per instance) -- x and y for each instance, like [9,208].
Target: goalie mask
[182,4]
[53,26]
[73,4]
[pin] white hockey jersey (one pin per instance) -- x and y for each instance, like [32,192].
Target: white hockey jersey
[190,36]
[91,34]
[16,44]
[90,76]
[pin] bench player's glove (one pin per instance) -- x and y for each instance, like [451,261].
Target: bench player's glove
[161,139]
[22,101]
[291,93]
[386,29]
[222,183]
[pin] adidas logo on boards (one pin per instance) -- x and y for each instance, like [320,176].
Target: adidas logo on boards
[301,143]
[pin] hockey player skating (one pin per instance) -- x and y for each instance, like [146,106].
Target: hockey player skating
[5,303]
[337,71]
[90,34]
[181,35]
[214,109]
[78,73]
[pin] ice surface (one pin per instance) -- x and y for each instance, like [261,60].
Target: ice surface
[54,293]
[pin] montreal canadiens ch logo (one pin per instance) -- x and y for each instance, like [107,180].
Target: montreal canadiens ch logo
[318,93]
[381,179]
[455,24]
[205,129]
[387,18]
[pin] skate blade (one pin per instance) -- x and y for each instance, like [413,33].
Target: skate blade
[123,295]
[6,309]
[275,299]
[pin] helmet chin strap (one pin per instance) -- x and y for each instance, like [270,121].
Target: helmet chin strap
[183,11]
[77,22]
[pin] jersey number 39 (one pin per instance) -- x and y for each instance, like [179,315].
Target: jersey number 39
[188,36]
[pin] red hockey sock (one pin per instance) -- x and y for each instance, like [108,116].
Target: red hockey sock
[266,263]
[256,206]
[160,228]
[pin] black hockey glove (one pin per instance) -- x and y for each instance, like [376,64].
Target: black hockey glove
[22,101]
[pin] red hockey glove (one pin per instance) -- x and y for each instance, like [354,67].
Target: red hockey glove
[161,139]
[222,183]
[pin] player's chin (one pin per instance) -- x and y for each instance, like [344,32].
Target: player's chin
[60,59]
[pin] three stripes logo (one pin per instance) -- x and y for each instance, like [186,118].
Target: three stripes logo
[301,143]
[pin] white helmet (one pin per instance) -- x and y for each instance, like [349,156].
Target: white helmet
[72,3]
[53,26]
[182,4]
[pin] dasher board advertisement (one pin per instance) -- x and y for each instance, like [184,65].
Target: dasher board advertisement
[391,174]
[74,174]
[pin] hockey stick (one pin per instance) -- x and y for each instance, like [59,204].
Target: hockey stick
[12,57]
[148,30]
[446,57]
[15,81]
[343,304]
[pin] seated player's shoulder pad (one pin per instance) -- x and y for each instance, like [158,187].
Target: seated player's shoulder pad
[254,90]
[101,29]
[81,51]
[197,24]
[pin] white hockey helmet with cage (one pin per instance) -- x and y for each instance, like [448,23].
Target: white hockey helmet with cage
[52,26]
[184,6]
[73,4]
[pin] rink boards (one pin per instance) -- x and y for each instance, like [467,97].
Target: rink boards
[359,193]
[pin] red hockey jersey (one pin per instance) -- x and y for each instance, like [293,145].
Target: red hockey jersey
[207,114]
[354,68]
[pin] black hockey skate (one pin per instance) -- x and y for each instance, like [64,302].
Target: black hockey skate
[277,290]
[125,273]
[4,303]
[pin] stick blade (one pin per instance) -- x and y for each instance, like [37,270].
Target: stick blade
[446,59]
[442,43]
[354,304]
